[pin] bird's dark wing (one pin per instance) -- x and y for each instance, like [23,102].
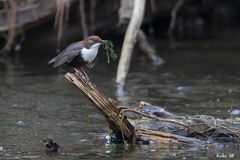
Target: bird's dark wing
[67,55]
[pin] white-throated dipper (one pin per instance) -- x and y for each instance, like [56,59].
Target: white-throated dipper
[79,54]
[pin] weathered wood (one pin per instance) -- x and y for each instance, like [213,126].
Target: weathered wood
[166,138]
[167,130]
[107,106]
[202,127]
[119,123]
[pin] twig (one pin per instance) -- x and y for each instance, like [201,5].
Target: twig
[205,119]
[169,137]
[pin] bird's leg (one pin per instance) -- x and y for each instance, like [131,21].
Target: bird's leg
[85,75]
[81,72]
[78,71]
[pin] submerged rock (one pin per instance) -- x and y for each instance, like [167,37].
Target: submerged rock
[51,146]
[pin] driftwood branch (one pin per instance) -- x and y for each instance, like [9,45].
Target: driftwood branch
[130,40]
[198,126]
[133,10]
[120,125]
[156,125]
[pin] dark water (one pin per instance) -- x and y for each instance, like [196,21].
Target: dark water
[200,77]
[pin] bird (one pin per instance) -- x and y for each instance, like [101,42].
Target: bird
[79,54]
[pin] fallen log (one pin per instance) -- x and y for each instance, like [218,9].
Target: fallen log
[124,128]
[203,127]
[156,125]
[120,125]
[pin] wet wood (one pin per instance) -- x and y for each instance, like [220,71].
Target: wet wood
[106,105]
[156,125]
[203,127]
[166,138]
[119,123]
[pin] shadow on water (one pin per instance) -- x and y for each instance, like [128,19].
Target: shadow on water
[199,77]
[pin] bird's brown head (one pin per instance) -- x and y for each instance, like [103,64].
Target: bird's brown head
[88,42]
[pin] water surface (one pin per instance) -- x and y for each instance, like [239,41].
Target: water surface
[200,77]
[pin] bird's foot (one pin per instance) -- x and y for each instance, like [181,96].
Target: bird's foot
[85,76]
[81,73]
[87,80]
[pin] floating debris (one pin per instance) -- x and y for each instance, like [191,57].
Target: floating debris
[21,123]
[235,113]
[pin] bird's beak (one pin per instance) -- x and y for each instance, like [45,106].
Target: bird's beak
[104,41]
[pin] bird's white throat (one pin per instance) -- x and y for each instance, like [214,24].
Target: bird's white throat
[90,54]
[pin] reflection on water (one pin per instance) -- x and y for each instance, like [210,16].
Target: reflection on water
[37,102]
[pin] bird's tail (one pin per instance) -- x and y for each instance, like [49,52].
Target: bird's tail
[55,62]
[52,61]
[58,60]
